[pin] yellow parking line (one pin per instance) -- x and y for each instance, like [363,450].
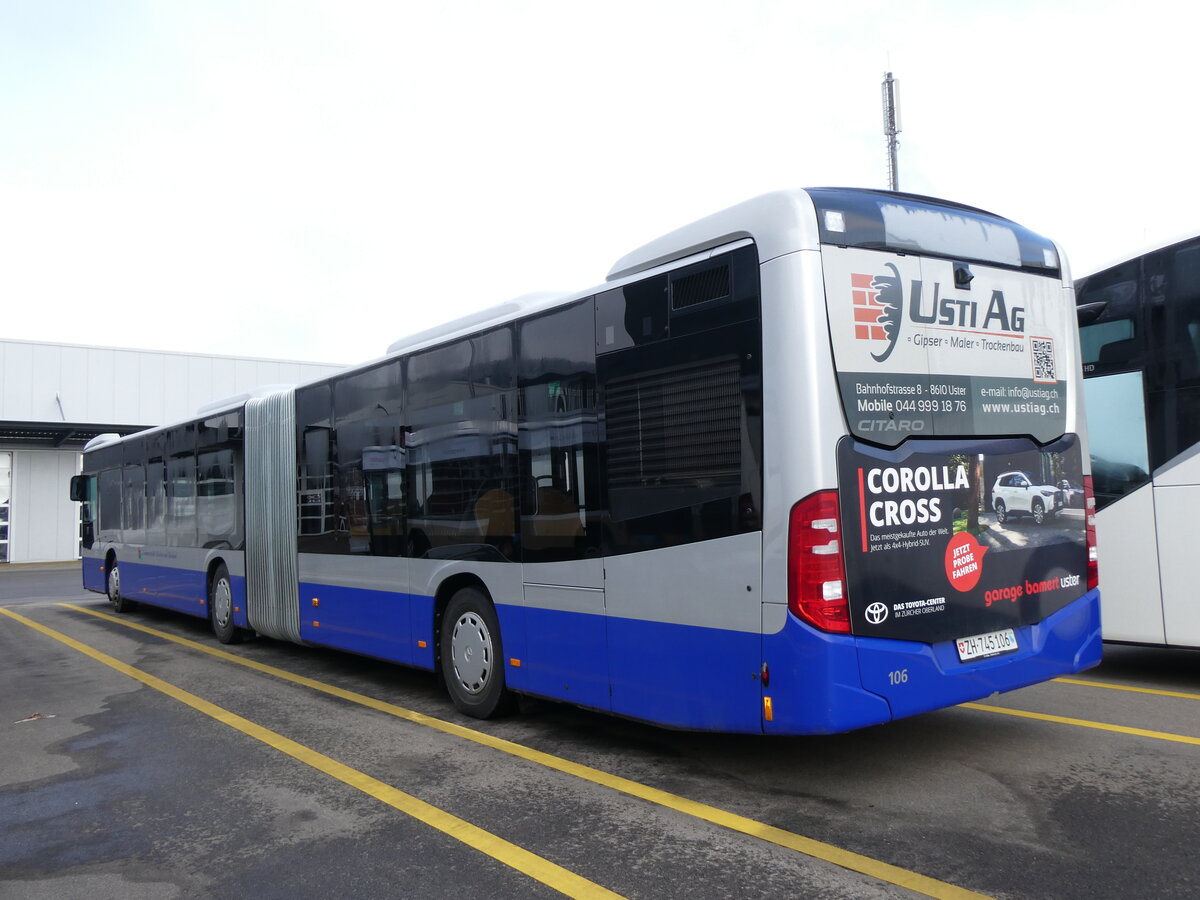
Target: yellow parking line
[510,854]
[1084,723]
[1127,687]
[809,847]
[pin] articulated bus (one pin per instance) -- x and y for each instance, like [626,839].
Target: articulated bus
[1140,334]
[748,484]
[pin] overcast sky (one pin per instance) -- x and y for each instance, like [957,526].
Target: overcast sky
[313,180]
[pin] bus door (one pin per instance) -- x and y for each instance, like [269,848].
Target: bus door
[566,653]
[566,648]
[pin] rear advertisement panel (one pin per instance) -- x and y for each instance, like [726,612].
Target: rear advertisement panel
[928,347]
[964,545]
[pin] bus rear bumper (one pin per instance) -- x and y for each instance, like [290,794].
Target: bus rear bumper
[931,676]
[839,683]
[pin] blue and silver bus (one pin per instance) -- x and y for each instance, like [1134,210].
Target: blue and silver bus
[748,484]
[1140,332]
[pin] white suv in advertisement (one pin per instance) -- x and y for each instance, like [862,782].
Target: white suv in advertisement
[1016,493]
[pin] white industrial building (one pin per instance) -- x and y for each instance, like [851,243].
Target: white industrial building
[55,397]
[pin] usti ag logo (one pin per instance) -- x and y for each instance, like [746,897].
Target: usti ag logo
[878,301]
[876,612]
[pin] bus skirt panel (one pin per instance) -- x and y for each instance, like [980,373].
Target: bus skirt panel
[178,589]
[370,622]
[94,576]
[686,676]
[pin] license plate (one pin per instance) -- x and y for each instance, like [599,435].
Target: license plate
[991,644]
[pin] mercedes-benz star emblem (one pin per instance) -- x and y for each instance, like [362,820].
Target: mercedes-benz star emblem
[877,612]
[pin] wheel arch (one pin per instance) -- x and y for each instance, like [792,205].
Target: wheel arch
[211,573]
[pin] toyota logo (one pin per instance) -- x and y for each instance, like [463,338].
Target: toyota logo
[877,612]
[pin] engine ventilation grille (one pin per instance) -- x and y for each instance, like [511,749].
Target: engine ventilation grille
[676,428]
[700,287]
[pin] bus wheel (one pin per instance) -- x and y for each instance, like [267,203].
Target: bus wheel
[220,607]
[112,584]
[1039,511]
[472,658]
[1001,512]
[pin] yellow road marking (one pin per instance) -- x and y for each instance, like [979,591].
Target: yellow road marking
[846,859]
[510,854]
[1084,723]
[1127,687]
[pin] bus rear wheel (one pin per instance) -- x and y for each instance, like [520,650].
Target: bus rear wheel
[472,657]
[112,586]
[220,607]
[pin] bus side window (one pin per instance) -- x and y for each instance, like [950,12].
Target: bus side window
[1172,299]
[560,496]
[681,428]
[110,505]
[1116,407]
[1109,335]
[462,410]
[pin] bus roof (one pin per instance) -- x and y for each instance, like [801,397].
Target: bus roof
[1145,250]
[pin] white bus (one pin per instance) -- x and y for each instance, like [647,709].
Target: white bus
[1140,334]
[747,484]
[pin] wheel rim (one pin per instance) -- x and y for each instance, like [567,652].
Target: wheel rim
[222,603]
[471,653]
[114,584]
[1039,513]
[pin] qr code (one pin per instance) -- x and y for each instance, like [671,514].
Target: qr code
[1043,358]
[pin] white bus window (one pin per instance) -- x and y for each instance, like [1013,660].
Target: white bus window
[1117,433]
[1106,341]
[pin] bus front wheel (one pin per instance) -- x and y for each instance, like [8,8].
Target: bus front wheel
[112,585]
[472,657]
[220,607]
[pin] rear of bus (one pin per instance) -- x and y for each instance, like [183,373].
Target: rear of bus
[938,547]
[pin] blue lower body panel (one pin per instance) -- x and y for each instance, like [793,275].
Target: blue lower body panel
[182,590]
[93,574]
[565,655]
[673,675]
[370,622]
[686,677]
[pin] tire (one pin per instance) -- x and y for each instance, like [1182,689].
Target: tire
[220,607]
[112,586]
[472,656]
[1001,512]
[1039,511]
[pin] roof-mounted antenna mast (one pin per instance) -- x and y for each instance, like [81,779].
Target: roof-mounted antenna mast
[891,127]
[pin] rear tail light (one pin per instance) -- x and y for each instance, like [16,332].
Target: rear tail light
[1089,510]
[816,574]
